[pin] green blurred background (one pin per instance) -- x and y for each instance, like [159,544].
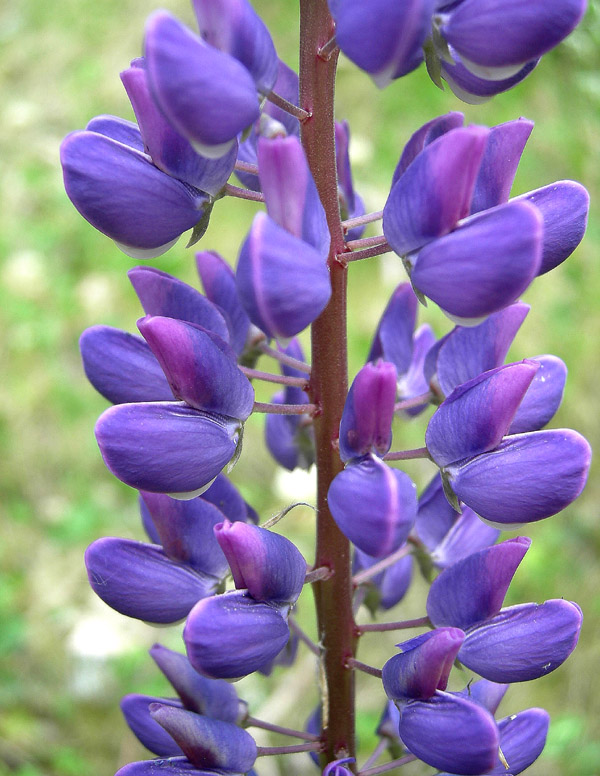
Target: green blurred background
[65,658]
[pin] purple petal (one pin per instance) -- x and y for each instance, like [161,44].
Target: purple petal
[200,367]
[499,164]
[373,505]
[208,96]
[281,437]
[285,658]
[174,766]
[122,367]
[366,424]
[165,448]
[282,281]
[424,136]
[423,665]
[393,339]
[473,90]
[527,478]
[485,264]
[486,693]
[468,351]
[336,768]
[224,495]
[388,723]
[170,151]
[450,733]
[290,192]
[214,698]
[120,192]
[522,740]
[351,204]
[218,280]
[255,634]
[384,50]
[435,191]
[435,516]
[268,565]
[206,742]
[232,26]
[148,522]
[185,530]
[396,582]
[543,396]
[136,711]
[476,415]
[469,534]
[121,130]
[496,33]
[413,383]
[523,642]
[564,207]
[163,294]
[138,580]
[473,589]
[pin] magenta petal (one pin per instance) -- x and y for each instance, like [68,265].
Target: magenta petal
[138,580]
[165,447]
[366,424]
[122,367]
[564,207]
[543,396]
[499,164]
[291,195]
[185,531]
[255,633]
[200,367]
[423,665]
[121,193]
[434,193]
[523,642]
[214,698]
[450,733]
[218,280]
[473,589]
[163,294]
[374,505]
[208,96]
[527,478]
[136,711]
[268,565]
[283,282]
[484,265]
[206,742]
[468,351]
[476,415]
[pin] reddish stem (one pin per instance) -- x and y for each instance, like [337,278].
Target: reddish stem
[328,388]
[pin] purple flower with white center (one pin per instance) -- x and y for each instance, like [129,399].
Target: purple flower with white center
[256,633]
[208,96]
[264,563]
[232,26]
[178,448]
[383,38]
[170,151]
[395,340]
[514,644]
[507,481]
[351,203]
[447,534]
[218,280]
[495,39]
[366,425]
[115,186]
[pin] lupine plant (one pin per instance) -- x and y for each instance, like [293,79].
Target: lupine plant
[216,102]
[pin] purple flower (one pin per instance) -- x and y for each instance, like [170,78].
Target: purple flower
[206,95]
[508,481]
[389,586]
[351,203]
[514,644]
[336,768]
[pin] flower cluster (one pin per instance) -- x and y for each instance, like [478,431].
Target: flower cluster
[218,102]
